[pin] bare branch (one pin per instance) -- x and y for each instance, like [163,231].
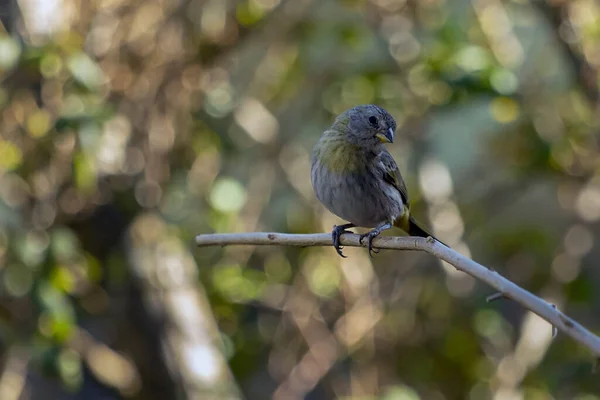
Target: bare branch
[508,289]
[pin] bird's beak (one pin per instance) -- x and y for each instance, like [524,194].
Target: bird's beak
[387,137]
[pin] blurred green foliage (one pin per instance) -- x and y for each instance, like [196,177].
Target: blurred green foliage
[204,114]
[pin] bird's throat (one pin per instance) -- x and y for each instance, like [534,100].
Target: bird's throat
[339,155]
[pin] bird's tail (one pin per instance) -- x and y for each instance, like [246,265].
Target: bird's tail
[414,229]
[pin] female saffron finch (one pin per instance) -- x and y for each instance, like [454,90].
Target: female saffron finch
[357,179]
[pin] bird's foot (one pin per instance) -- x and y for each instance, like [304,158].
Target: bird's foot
[337,232]
[370,236]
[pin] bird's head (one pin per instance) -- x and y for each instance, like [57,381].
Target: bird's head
[366,125]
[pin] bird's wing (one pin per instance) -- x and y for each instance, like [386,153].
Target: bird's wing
[391,174]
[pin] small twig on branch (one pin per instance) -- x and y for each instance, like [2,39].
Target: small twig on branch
[507,289]
[495,296]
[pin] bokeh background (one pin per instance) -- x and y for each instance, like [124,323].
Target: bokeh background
[128,127]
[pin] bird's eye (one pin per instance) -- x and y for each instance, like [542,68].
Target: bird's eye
[373,120]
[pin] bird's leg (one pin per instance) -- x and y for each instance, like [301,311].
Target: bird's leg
[372,235]
[338,230]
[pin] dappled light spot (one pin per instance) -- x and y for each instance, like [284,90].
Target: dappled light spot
[135,161]
[161,133]
[322,276]
[578,240]
[536,335]
[256,120]
[419,80]
[114,369]
[228,195]
[147,229]
[85,172]
[70,367]
[587,204]
[495,21]
[10,50]
[96,301]
[204,363]
[203,171]
[220,100]
[237,285]
[357,323]
[17,280]
[535,338]
[71,201]
[274,296]
[439,93]
[213,18]
[249,12]
[504,109]
[10,155]
[277,268]
[191,78]
[139,88]
[447,220]
[435,181]
[73,105]
[64,279]
[86,71]
[549,125]
[473,58]
[51,65]
[43,215]
[14,190]
[400,392]
[296,161]
[566,267]
[504,81]
[358,272]
[148,194]
[404,47]
[488,323]
[510,371]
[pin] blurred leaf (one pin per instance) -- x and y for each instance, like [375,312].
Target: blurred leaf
[323,278]
[227,195]
[17,280]
[64,244]
[85,172]
[400,392]
[70,368]
[58,320]
[581,290]
[10,156]
[237,285]
[10,51]
[86,71]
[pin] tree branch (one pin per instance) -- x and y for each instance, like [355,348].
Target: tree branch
[533,303]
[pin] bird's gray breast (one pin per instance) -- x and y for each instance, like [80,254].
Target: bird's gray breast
[362,198]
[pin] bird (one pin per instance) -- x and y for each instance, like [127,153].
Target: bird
[355,177]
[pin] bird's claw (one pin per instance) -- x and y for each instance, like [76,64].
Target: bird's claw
[337,232]
[370,236]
